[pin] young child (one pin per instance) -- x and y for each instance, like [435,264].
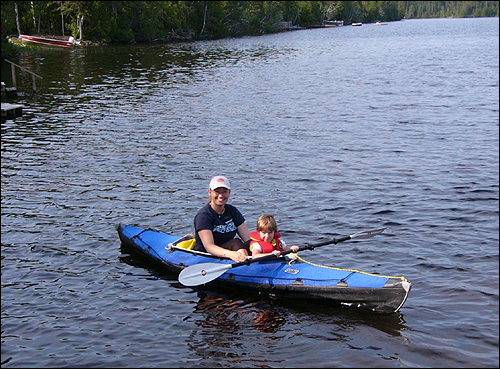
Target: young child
[266,240]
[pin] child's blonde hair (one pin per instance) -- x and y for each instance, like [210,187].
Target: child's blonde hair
[266,222]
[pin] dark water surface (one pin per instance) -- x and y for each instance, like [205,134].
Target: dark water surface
[333,130]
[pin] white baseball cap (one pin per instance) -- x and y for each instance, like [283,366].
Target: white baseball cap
[219,181]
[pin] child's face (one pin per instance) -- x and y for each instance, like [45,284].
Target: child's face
[266,235]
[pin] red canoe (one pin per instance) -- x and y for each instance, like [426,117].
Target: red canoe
[49,41]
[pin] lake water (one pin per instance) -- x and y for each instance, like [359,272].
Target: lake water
[333,130]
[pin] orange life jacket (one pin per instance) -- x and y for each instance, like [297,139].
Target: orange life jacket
[267,247]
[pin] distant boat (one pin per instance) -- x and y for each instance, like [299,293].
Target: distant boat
[50,40]
[380,24]
[356,24]
[330,23]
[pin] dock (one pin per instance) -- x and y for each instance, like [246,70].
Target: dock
[11,111]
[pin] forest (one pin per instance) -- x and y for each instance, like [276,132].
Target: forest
[98,22]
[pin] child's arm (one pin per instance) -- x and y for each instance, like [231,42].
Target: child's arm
[257,251]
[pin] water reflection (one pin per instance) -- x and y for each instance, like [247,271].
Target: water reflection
[230,312]
[79,71]
[225,314]
[234,327]
[392,323]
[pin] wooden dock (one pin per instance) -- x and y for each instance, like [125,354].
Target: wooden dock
[11,111]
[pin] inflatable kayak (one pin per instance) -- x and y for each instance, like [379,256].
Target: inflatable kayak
[284,277]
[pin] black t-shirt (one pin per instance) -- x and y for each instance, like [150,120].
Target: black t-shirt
[223,226]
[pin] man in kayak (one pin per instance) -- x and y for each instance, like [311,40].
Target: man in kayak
[266,240]
[217,223]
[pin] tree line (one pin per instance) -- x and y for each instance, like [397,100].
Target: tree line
[145,21]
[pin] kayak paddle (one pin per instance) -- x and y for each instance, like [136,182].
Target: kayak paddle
[197,274]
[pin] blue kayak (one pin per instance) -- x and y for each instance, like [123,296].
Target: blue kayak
[283,277]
